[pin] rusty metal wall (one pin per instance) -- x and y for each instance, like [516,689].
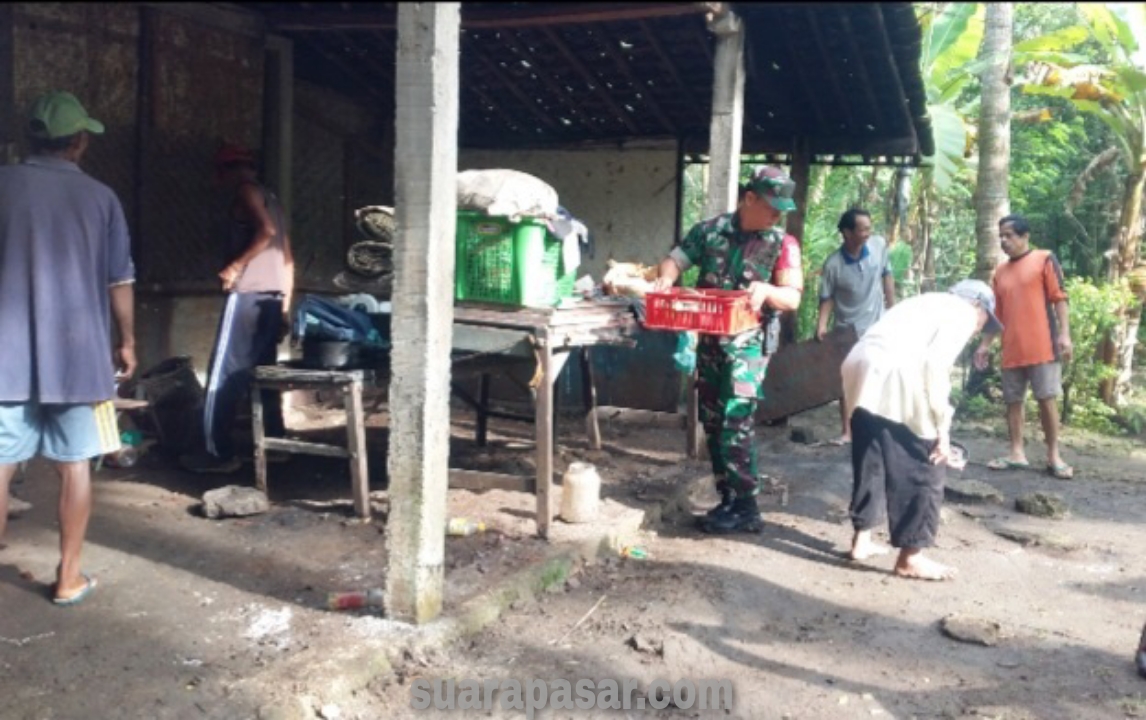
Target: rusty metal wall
[206,85]
[89,50]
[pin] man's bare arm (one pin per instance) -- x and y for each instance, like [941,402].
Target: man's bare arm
[825,312]
[250,200]
[123,310]
[888,290]
[667,274]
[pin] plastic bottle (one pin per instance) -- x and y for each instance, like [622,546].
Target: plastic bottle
[460,527]
[635,552]
[124,458]
[580,493]
[355,599]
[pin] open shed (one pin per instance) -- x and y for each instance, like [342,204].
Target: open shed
[604,102]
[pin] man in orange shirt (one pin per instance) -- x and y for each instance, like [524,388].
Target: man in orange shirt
[1032,305]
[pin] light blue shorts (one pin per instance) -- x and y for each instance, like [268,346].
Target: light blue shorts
[64,433]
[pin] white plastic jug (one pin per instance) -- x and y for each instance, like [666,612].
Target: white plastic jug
[580,493]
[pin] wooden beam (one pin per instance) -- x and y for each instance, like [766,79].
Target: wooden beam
[589,79]
[522,48]
[884,43]
[470,47]
[475,19]
[651,38]
[377,67]
[350,71]
[609,42]
[510,121]
[811,90]
[861,67]
[702,41]
[801,166]
[829,62]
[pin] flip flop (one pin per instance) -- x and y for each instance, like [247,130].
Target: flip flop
[89,585]
[1003,463]
[1062,471]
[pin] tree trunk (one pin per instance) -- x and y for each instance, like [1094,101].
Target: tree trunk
[900,199]
[1129,236]
[1118,350]
[991,197]
[927,281]
[869,194]
[819,185]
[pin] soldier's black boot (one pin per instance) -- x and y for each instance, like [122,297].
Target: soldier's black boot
[743,516]
[727,499]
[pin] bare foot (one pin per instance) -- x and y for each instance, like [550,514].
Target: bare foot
[918,567]
[863,547]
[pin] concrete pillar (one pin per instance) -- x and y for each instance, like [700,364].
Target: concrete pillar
[425,192]
[726,131]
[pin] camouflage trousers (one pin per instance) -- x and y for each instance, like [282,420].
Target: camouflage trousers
[730,381]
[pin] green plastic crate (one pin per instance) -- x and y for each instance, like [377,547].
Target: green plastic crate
[510,263]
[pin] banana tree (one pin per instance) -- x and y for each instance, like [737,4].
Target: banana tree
[952,33]
[1115,93]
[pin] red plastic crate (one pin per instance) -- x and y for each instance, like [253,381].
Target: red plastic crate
[712,312]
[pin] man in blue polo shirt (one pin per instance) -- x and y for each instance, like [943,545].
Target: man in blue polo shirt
[856,285]
[65,271]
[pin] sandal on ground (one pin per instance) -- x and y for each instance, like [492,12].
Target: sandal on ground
[1062,471]
[76,597]
[1004,463]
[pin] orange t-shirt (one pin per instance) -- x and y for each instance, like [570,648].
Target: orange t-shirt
[1026,289]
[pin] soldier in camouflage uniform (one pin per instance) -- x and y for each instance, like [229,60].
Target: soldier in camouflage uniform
[742,250]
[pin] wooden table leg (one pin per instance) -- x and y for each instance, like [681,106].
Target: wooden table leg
[694,440]
[483,410]
[544,428]
[259,432]
[356,437]
[589,396]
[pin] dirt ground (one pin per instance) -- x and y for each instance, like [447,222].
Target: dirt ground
[223,618]
[803,633]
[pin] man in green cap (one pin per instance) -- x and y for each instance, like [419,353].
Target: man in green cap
[741,250]
[66,272]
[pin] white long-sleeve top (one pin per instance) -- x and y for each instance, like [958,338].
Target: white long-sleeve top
[901,368]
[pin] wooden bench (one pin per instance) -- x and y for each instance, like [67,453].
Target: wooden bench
[349,384]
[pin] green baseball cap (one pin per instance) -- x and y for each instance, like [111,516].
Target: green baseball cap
[60,114]
[772,184]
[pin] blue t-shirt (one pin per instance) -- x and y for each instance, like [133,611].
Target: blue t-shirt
[63,243]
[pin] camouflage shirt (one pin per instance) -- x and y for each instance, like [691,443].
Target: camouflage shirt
[730,258]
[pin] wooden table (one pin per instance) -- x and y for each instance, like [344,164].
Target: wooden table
[549,336]
[484,338]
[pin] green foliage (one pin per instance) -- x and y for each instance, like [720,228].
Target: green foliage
[1094,310]
[900,259]
[951,38]
[975,407]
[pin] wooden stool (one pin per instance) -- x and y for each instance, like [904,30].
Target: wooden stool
[349,384]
